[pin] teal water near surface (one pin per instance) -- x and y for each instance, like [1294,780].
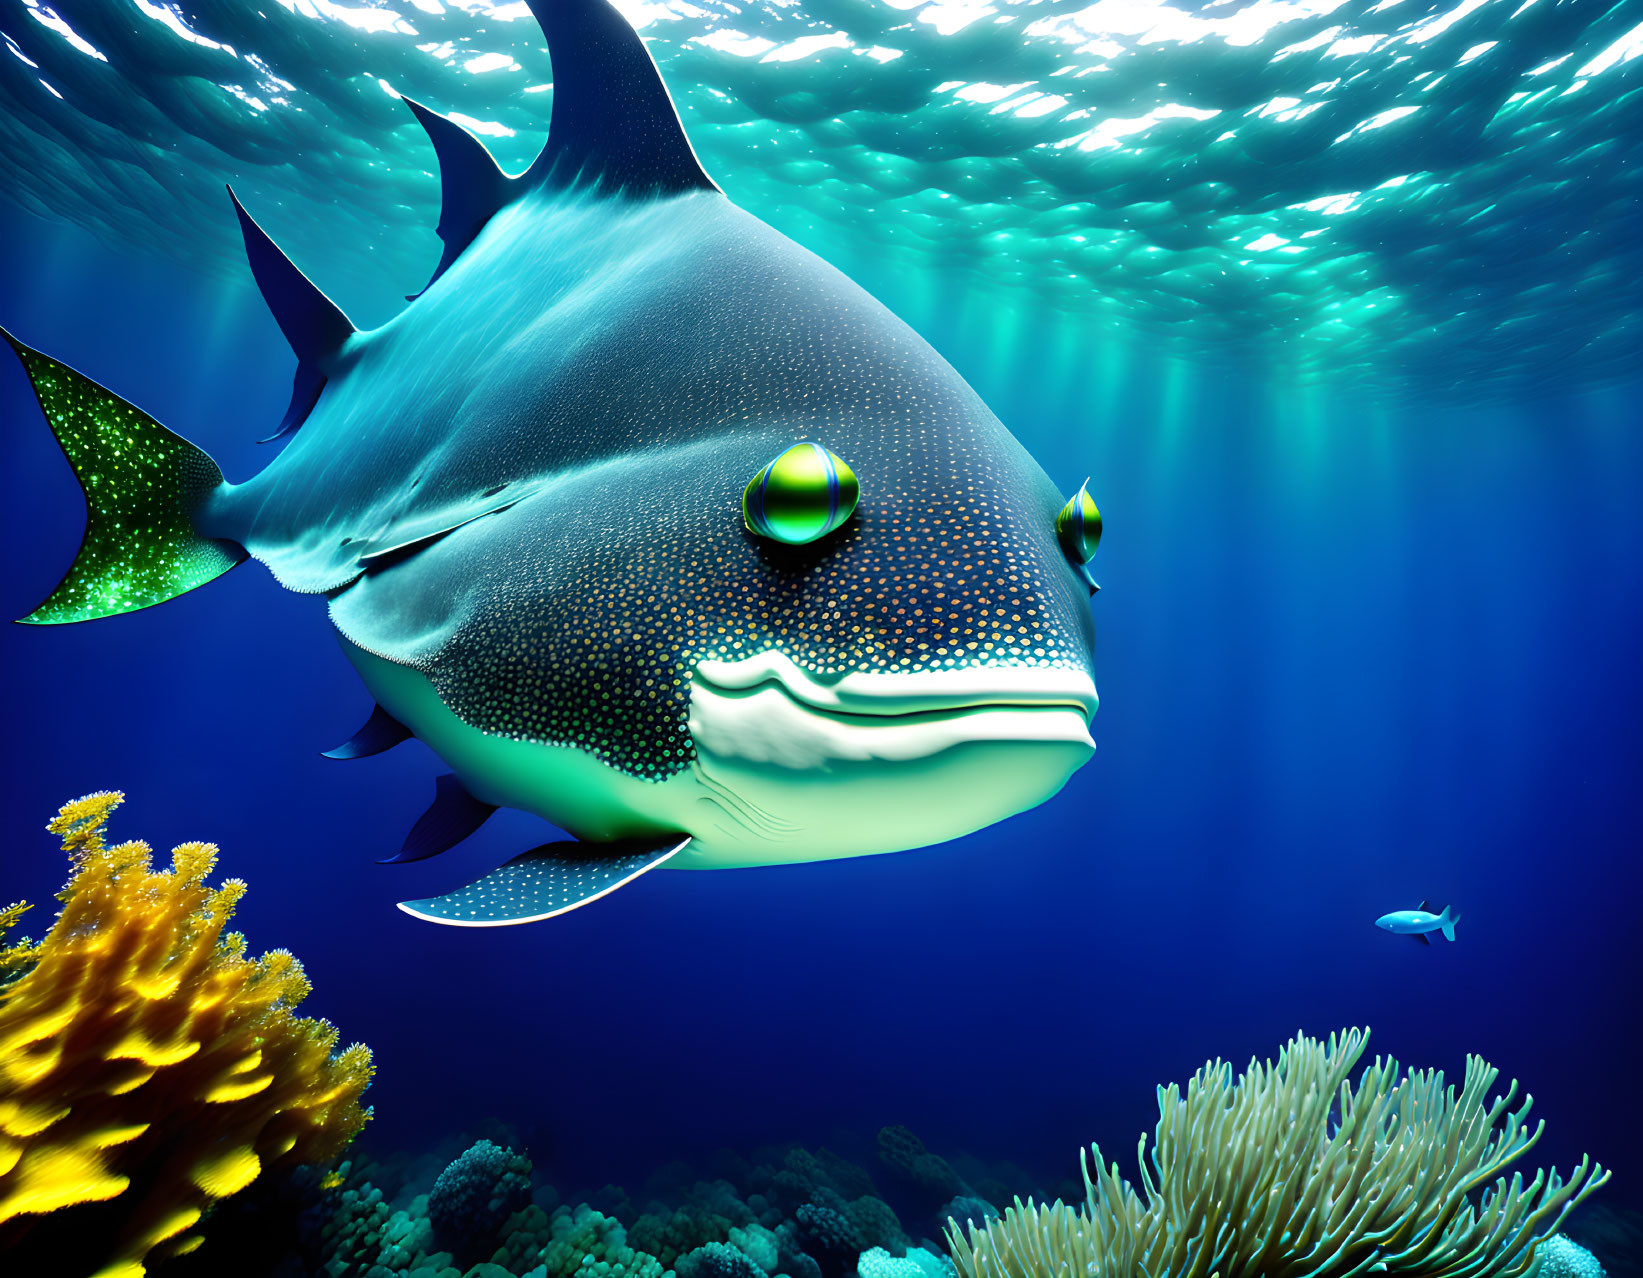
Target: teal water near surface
[1419,194]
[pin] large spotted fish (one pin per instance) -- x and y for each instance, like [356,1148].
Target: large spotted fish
[642,517]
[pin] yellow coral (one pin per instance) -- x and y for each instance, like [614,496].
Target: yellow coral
[149,1068]
[14,959]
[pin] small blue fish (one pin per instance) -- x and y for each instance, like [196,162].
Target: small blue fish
[1417,923]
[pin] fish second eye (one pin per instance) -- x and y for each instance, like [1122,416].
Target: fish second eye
[803,495]
[1078,529]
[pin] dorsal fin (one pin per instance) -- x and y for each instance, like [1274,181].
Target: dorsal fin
[471,186]
[313,324]
[613,124]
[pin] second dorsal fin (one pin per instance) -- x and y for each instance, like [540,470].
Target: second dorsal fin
[471,186]
[614,125]
[313,324]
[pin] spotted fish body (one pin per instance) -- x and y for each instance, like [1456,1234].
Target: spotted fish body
[523,498]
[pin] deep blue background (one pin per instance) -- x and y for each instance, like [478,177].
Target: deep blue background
[1349,656]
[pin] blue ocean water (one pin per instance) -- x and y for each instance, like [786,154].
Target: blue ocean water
[1363,639]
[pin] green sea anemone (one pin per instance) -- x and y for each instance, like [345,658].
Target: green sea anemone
[1289,1170]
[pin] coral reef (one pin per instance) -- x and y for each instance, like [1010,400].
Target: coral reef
[917,1263]
[17,957]
[361,1232]
[717,1260]
[475,1195]
[929,1188]
[758,1244]
[904,1156]
[1560,1257]
[1254,1177]
[1614,1233]
[968,1207]
[373,1220]
[670,1235]
[590,1244]
[148,1067]
[400,1220]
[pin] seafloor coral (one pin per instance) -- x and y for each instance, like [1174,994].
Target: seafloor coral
[475,1195]
[744,1223]
[1615,1234]
[792,1212]
[1560,1257]
[1291,1170]
[148,1067]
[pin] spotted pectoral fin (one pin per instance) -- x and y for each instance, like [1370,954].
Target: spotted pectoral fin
[546,881]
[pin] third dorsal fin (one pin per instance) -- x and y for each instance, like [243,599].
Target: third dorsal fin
[313,324]
[471,186]
[614,125]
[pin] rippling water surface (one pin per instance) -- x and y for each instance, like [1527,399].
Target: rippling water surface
[1425,195]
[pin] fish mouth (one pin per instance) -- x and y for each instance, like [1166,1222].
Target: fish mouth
[805,767]
[766,709]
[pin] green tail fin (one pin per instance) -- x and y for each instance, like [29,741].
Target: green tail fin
[142,483]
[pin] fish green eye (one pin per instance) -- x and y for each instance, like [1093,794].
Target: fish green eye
[1078,529]
[1078,526]
[800,497]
